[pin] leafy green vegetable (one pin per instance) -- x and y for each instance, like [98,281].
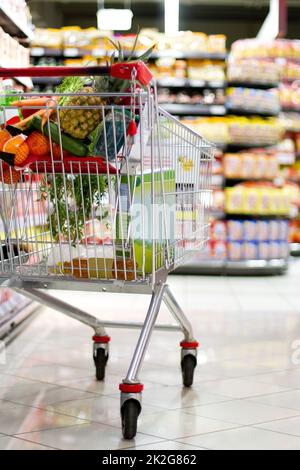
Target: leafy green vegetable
[73,201]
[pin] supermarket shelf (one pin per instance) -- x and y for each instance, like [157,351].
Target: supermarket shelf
[188,83]
[235,268]
[255,216]
[11,26]
[14,319]
[194,109]
[47,80]
[286,109]
[188,55]
[46,52]
[237,147]
[230,182]
[248,112]
[77,52]
[256,85]
[295,249]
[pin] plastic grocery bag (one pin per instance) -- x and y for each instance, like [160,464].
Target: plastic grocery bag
[109,138]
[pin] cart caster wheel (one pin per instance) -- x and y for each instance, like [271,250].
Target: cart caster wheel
[188,365]
[101,354]
[130,412]
[100,359]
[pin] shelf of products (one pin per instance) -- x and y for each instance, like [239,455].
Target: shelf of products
[194,109]
[249,191]
[239,268]
[15,18]
[254,101]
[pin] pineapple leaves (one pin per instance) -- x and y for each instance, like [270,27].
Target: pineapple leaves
[145,56]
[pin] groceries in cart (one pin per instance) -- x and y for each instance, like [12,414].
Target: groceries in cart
[108,185]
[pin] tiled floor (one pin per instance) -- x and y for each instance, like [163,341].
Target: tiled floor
[247,385]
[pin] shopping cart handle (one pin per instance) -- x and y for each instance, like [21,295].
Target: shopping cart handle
[122,71]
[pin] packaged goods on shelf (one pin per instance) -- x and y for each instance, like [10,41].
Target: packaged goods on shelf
[198,70]
[207,97]
[290,97]
[254,131]
[11,52]
[218,205]
[295,231]
[253,100]
[253,71]
[186,42]
[206,70]
[238,130]
[290,121]
[251,165]
[213,129]
[47,38]
[258,200]
[253,48]
[248,240]
[290,71]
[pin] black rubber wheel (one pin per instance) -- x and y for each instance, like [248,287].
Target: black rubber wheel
[130,412]
[100,362]
[188,365]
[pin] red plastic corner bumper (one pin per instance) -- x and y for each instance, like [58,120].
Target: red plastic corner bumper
[128,388]
[189,345]
[101,339]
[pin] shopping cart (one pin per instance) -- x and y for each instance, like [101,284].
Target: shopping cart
[117,221]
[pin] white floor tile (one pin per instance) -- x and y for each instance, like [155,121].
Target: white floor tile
[17,419]
[287,378]
[242,412]
[289,400]
[245,439]
[172,398]
[99,408]
[41,395]
[289,426]
[239,388]
[166,445]
[87,437]
[13,443]
[176,424]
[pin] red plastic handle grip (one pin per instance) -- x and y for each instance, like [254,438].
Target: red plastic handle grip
[121,71]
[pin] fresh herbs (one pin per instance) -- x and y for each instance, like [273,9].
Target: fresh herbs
[74,200]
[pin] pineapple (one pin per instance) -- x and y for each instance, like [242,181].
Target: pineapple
[79,123]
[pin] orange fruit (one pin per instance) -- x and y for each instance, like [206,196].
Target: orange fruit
[4,137]
[21,154]
[12,144]
[11,176]
[38,144]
